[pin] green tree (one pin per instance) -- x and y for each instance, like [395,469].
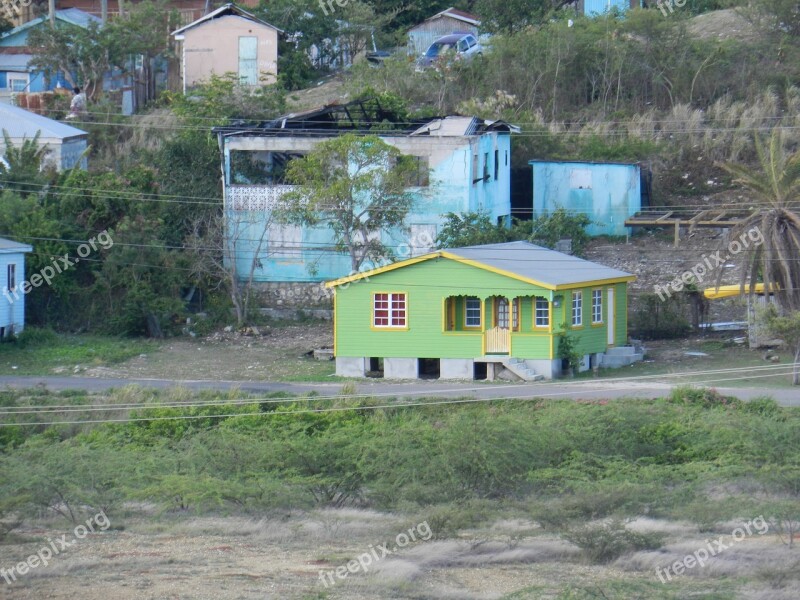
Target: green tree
[773,187]
[561,224]
[358,187]
[470,229]
[21,166]
[81,54]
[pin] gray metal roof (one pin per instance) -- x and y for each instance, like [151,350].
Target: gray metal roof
[538,264]
[9,246]
[22,123]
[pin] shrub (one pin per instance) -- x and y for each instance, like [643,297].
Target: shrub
[653,319]
[607,542]
[705,397]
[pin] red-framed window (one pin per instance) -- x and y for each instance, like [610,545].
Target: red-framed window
[389,310]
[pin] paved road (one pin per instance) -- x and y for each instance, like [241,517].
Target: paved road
[588,389]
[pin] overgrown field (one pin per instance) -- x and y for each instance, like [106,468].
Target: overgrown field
[629,483]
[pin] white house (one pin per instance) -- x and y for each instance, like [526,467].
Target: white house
[66,145]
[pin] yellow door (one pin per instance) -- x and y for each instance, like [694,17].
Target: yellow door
[498,338]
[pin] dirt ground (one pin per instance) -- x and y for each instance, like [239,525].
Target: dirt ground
[281,557]
[270,354]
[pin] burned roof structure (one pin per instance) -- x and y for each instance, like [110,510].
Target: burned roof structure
[363,116]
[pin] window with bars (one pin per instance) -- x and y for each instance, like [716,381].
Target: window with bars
[577,309]
[11,281]
[597,306]
[472,312]
[389,310]
[542,312]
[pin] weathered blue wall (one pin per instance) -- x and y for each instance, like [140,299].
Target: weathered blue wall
[451,190]
[598,7]
[607,193]
[12,308]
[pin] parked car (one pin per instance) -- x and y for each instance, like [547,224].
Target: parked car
[463,46]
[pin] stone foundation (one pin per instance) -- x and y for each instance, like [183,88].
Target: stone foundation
[293,295]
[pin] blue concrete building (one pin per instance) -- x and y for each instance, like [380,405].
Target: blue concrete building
[598,7]
[608,193]
[464,167]
[12,275]
[16,73]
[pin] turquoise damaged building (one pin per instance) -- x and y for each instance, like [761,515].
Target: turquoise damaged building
[608,193]
[464,166]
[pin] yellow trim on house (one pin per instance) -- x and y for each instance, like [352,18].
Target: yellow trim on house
[478,265]
[549,326]
[392,267]
[335,324]
[470,327]
[372,325]
[595,283]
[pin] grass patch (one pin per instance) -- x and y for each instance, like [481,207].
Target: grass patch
[44,352]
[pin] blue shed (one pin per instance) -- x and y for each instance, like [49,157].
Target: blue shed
[12,275]
[608,193]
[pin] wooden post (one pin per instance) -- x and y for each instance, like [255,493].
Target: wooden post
[677,232]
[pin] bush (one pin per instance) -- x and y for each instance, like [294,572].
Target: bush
[654,319]
[36,336]
[705,397]
[607,542]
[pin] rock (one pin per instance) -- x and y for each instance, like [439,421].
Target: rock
[228,329]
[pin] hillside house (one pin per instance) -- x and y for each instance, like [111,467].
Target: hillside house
[12,275]
[16,73]
[66,144]
[228,40]
[464,159]
[480,312]
[452,20]
[608,193]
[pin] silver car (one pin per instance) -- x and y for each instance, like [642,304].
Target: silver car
[460,46]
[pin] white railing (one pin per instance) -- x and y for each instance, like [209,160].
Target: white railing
[256,197]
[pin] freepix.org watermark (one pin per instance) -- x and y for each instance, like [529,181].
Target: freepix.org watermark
[712,548]
[55,546]
[709,264]
[327,5]
[58,266]
[364,561]
[669,5]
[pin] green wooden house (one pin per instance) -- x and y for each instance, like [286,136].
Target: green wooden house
[480,312]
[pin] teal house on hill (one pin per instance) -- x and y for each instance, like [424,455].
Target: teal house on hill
[498,310]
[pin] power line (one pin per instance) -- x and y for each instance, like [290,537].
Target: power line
[344,408]
[312,399]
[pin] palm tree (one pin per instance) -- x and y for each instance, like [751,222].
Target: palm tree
[775,190]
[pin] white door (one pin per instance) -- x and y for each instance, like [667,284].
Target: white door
[248,60]
[611,324]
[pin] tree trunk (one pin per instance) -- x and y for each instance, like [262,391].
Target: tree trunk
[104,11]
[796,372]
[51,12]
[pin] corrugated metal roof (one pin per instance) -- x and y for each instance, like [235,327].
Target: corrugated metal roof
[448,127]
[9,246]
[227,9]
[536,263]
[22,123]
[459,15]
